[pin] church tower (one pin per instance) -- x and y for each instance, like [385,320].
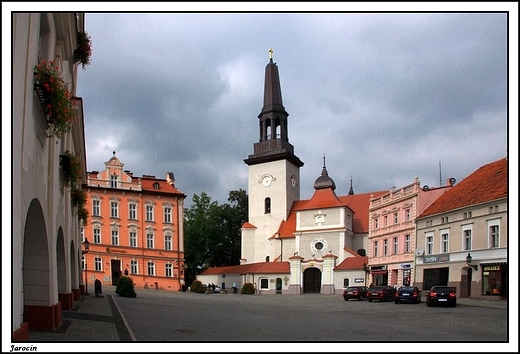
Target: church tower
[274,170]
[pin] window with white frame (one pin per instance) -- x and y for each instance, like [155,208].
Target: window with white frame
[132,235]
[407,244]
[168,241]
[385,247]
[115,237]
[114,209]
[494,233]
[168,270]
[113,181]
[98,266]
[149,212]
[396,218]
[385,220]
[376,223]
[132,211]
[151,268]
[264,284]
[168,214]
[466,237]
[407,215]
[445,241]
[375,249]
[96,231]
[134,267]
[149,240]
[396,245]
[96,207]
[83,262]
[429,243]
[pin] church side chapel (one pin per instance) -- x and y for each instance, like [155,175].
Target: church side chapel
[293,246]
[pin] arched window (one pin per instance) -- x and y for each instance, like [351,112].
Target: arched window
[267,205]
[267,258]
[346,282]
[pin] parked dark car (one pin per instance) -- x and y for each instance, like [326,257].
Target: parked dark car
[408,294]
[381,293]
[355,292]
[441,295]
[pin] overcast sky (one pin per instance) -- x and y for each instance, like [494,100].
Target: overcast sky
[386,97]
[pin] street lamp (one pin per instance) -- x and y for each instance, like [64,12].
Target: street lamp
[367,270]
[83,252]
[468,261]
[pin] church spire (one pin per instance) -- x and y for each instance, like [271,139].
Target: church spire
[273,142]
[351,190]
[324,181]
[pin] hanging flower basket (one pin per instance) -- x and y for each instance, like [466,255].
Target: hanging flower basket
[78,197]
[83,52]
[83,216]
[71,167]
[54,97]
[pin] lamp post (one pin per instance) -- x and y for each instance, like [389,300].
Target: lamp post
[468,261]
[84,252]
[366,269]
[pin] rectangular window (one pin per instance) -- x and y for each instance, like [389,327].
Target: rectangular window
[149,213]
[407,215]
[445,243]
[385,220]
[385,247]
[149,241]
[132,211]
[375,249]
[167,215]
[133,239]
[407,244]
[83,262]
[429,244]
[151,268]
[113,181]
[396,218]
[396,245]
[264,284]
[115,238]
[97,235]
[114,212]
[376,223]
[167,242]
[168,270]
[467,239]
[98,265]
[133,267]
[494,239]
[95,207]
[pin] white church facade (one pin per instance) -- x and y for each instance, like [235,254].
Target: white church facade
[293,246]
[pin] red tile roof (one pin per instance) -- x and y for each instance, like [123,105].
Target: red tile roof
[488,183]
[352,263]
[253,268]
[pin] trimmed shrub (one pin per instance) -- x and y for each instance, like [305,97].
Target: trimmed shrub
[248,288]
[196,287]
[125,287]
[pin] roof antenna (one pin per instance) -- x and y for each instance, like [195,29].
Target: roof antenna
[440,175]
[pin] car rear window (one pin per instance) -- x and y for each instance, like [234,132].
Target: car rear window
[376,288]
[444,289]
[406,288]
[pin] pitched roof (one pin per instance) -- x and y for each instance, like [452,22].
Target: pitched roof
[326,198]
[352,263]
[253,268]
[486,184]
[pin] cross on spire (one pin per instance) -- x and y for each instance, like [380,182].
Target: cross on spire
[270,53]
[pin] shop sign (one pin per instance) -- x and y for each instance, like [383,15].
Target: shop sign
[359,280]
[405,266]
[437,258]
[490,268]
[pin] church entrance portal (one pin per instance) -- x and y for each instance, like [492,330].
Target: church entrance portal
[312,280]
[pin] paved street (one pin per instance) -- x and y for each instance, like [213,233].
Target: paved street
[186,317]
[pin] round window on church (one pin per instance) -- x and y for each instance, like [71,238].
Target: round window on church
[318,246]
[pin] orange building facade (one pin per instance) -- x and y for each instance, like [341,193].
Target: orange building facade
[134,228]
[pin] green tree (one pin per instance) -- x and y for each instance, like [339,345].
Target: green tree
[212,233]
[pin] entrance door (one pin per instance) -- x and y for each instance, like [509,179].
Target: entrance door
[465,283]
[116,270]
[312,281]
[278,285]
